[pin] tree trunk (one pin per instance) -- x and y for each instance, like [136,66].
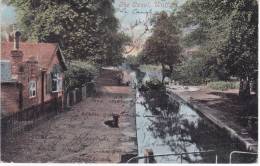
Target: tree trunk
[244,88]
[171,69]
[163,72]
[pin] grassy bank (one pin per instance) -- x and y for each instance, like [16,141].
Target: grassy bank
[150,68]
[223,85]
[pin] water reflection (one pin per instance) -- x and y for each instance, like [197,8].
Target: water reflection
[167,126]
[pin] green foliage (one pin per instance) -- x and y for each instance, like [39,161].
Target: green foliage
[85,29]
[207,29]
[239,54]
[226,32]
[78,74]
[163,46]
[190,72]
[223,85]
[197,70]
[150,68]
[133,60]
[154,85]
[114,52]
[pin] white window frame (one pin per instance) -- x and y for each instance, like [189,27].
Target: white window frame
[32,88]
[57,79]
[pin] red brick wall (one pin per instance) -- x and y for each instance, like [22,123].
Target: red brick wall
[9,97]
[31,71]
[17,59]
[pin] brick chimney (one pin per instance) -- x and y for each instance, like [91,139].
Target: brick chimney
[32,65]
[17,57]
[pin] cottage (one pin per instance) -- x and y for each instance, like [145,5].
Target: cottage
[32,75]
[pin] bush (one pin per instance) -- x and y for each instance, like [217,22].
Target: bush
[153,85]
[223,85]
[190,72]
[132,60]
[79,73]
[198,69]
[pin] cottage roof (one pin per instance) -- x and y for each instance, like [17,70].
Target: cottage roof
[42,52]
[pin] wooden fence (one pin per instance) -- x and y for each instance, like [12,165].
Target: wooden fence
[73,97]
[26,119]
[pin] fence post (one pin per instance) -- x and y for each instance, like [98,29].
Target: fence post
[87,91]
[84,95]
[149,156]
[80,94]
[68,99]
[74,97]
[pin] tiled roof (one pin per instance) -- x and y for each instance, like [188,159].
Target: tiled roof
[43,52]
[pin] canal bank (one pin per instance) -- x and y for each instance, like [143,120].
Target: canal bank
[176,133]
[237,132]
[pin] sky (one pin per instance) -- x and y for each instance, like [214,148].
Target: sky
[7,16]
[133,16]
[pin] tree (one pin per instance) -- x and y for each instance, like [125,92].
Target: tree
[228,35]
[205,27]
[79,73]
[163,46]
[190,71]
[239,53]
[116,49]
[84,29]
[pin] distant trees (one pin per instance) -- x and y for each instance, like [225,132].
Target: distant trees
[85,29]
[116,48]
[226,32]
[163,46]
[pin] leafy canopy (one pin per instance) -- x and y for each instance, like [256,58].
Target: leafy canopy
[226,31]
[163,46]
[85,29]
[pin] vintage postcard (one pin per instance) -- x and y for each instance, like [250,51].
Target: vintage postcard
[129,81]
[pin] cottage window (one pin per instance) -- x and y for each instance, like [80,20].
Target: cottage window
[56,82]
[32,88]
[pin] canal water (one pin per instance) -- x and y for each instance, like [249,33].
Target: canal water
[168,126]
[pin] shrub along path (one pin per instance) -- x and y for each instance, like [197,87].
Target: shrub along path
[81,135]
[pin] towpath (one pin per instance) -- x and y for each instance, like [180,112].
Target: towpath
[81,135]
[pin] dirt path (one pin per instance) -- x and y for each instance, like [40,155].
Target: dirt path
[80,134]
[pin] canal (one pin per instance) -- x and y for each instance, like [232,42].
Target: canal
[167,126]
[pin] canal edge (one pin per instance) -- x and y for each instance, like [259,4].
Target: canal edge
[247,143]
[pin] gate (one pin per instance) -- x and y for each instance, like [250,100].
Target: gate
[172,154]
[239,152]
